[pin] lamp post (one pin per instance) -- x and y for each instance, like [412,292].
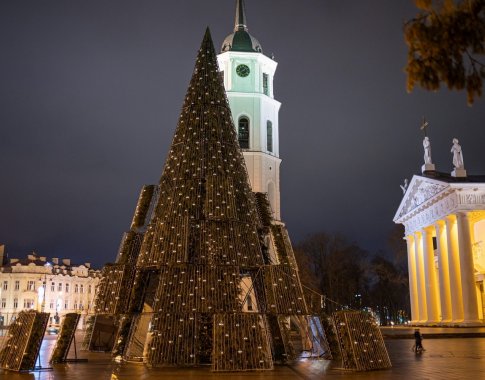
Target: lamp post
[58,307]
[42,292]
[44,287]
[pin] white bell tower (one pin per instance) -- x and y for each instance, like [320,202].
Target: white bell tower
[248,79]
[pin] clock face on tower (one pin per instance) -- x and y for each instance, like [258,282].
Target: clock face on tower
[242,70]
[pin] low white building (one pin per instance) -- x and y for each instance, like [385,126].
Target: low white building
[54,286]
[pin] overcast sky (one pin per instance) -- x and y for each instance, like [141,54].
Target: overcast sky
[91,90]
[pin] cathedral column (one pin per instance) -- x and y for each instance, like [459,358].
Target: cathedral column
[474,218]
[413,285]
[454,265]
[432,296]
[467,270]
[443,271]
[421,285]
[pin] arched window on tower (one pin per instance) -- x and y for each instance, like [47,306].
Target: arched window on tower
[243,132]
[269,136]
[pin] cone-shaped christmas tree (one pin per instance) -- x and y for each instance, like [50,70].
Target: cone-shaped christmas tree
[204,262]
[206,212]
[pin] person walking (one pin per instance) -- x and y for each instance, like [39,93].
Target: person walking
[418,341]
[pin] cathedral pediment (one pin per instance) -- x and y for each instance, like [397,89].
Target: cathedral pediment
[419,191]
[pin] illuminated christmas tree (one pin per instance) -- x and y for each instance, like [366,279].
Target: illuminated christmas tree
[205,274]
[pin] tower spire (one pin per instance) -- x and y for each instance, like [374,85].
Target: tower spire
[240,39]
[240,21]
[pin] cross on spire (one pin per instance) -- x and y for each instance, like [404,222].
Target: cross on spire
[424,126]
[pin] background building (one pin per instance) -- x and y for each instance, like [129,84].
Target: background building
[54,286]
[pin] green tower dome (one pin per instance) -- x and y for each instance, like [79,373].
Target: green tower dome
[240,39]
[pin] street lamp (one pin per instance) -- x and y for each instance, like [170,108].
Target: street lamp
[58,307]
[43,288]
[41,298]
[42,292]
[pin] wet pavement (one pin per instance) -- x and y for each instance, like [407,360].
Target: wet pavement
[458,358]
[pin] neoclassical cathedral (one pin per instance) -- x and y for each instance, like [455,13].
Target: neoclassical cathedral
[444,219]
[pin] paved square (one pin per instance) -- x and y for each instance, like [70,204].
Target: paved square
[459,358]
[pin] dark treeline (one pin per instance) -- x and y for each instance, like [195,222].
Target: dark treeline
[350,277]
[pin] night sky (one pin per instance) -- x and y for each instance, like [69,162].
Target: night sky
[91,90]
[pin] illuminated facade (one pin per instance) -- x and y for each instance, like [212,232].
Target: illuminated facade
[444,219]
[248,80]
[54,286]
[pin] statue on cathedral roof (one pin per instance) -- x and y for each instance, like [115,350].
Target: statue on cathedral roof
[457,155]
[427,150]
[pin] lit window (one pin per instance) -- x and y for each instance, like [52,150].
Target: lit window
[269,136]
[243,132]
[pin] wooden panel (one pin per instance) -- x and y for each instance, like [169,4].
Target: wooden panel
[147,196]
[165,242]
[137,337]
[197,288]
[102,337]
[283,245]
[21,348]
[360,341]
[65,337]
[220,199]
[241,343]
[113,292]
[283,291]
[227,243]
[173,340]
